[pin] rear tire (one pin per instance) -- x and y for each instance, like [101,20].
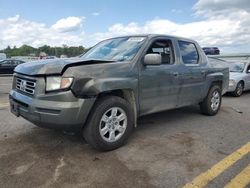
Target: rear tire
[110,123]
[211,104]
[239,89]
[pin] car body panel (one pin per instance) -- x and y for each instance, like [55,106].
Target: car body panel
[59,110]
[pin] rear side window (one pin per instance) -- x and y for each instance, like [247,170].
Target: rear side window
[17,62]
[188,52]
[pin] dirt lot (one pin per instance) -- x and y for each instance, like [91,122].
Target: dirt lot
[168,149]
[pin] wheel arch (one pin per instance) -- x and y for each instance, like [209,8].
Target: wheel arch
[217,82]
[126,94]
[213,79]
[242,82]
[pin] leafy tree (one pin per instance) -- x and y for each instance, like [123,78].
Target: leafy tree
[26,50]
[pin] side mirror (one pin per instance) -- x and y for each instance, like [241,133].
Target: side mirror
[248,71]
[152,59]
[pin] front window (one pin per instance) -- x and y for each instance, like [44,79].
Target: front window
[164,48]
[118,49]
[236,67]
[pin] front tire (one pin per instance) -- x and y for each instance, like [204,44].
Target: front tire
[110,123]
[239,89]
[211,104]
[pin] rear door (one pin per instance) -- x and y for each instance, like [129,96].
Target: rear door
[192,74]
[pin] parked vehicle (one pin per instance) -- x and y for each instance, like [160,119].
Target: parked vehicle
[7,66]
[51,57]
[239,78]
[2,56]
[211,50]
[63,56]
[103,93]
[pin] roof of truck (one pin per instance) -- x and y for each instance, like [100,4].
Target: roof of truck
[155,35]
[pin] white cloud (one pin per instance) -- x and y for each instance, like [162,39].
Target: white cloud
[223,32]
[16,31]
[96,14]
[216,7]
[14,19]
[120,29]
[68,24]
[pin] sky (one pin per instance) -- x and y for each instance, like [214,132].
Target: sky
[221,23]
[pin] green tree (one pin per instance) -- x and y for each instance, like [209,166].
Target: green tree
[26,50]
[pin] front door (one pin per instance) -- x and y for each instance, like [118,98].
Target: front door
[247,84]
[159,84]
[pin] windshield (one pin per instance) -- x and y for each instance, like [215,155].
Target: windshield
[236,67]
[118,49]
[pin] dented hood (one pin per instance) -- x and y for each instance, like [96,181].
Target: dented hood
[53,66]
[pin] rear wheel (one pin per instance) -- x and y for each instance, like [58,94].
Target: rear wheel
[239,89]
[211,104]
[109,124]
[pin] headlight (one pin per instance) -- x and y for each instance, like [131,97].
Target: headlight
[232,82]
[57,83]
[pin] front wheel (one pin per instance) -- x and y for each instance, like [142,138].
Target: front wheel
[211,104]
[110,123]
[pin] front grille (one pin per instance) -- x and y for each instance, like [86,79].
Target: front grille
[26,85]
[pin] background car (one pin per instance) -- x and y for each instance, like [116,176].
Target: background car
[2,56]
[211,50]
[7,66]
[239,78]
[239,74]
[51,57]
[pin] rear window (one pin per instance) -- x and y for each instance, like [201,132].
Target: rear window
[189,52]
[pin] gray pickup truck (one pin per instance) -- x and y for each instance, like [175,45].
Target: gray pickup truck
[103,92]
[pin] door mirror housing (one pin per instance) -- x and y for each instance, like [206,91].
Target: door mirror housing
[248,71]
[152,59]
